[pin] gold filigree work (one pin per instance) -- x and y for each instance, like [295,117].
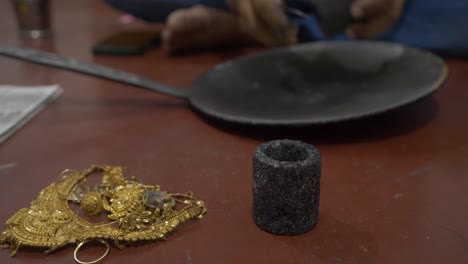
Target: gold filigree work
[135,211]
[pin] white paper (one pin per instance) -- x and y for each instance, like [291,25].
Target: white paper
[18,104]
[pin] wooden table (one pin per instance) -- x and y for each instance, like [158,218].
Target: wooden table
[394,187]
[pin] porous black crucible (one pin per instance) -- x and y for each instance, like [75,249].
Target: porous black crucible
[286,187]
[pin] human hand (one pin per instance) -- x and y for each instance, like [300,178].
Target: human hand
[266,21]
[374,17]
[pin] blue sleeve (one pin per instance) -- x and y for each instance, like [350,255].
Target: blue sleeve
[159,10]
[437,25]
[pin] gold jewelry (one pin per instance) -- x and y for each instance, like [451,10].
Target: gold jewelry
[136,212]
[75,253]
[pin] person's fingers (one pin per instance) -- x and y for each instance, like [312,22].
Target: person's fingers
[246,11]
[375,24]
[206,27]
[183,18]
[233,4]
[265,20]
[365,8]
[250,22]
[372,28]
[272,14]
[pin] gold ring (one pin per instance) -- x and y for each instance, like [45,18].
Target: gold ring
[94,261]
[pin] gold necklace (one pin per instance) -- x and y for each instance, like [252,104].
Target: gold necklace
[136,212]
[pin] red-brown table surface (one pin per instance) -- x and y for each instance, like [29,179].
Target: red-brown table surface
[394,187]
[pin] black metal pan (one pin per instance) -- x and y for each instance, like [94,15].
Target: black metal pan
[307,84]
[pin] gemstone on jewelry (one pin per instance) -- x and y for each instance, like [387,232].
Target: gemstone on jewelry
[158,199]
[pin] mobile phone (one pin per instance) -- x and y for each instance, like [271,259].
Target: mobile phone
[128,42]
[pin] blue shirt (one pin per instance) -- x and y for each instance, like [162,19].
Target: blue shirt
[437,25]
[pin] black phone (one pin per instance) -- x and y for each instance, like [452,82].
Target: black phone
[128,42]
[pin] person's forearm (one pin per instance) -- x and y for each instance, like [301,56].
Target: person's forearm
[156,10]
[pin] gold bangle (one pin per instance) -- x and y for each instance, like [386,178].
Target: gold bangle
[94,261]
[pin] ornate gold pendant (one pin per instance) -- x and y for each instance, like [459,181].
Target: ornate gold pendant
[135,211]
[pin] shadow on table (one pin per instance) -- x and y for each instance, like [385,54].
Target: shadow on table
[390,124]
[335,241]
[225,53]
